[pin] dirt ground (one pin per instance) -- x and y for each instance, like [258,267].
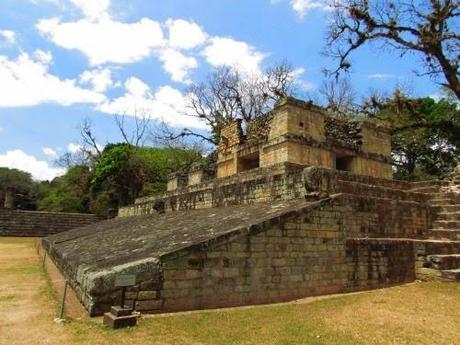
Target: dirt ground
[27,306]
[418,313]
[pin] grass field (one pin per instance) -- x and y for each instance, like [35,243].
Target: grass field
[419,313]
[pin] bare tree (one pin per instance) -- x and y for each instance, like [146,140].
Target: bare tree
[228,95]
[90,146]
[88,151]
[340,97]
[164,135]
[138,135]
[429,28]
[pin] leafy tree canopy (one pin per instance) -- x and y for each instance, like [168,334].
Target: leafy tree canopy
[128,172]
[426,136]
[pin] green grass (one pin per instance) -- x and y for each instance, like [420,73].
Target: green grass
[421,313]
[335,320]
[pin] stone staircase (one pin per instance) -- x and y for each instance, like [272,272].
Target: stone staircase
[441,259]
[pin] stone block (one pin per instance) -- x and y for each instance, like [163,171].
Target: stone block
[117,322]
[120,311]
[146,295]
[149,305]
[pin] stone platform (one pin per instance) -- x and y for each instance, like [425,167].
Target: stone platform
[237,242]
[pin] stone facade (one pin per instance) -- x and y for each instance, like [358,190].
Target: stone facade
[300,134]
[39,224]
[305,255]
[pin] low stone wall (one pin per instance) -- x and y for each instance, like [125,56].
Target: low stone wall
[39,224]
[280,182]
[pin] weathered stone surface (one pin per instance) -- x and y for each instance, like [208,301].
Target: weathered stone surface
[150,305]
[120,311]
[301,133]
[39,224]
[117,322]
[265,235]
[95,254]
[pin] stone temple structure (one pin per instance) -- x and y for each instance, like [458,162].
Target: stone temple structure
[302,205]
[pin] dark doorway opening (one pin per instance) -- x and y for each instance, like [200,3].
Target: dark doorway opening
[249,162]
[343,163]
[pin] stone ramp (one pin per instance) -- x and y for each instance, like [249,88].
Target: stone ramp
[123,240]
[91,256]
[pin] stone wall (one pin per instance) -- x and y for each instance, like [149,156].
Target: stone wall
[374,263]
[279,182]
[39,224]
[302,133]
[309,253]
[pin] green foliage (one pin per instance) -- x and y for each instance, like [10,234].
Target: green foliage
[14,179]
[121,174]
[426,138]
[127,172]
[19,185]
[68,193]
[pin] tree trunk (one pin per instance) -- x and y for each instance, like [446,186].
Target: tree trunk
[10,200]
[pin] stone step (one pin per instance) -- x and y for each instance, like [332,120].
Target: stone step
[431,183]
[427,189]
[437,247]
[429,274]
[451,274]
[445,195]
[446,224]
[443,262]
[442,202]
[446,208]
[448,234]
[448,216]
[362,189]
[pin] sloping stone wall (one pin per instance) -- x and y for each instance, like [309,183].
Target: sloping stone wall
[39,224]
[325,248]
[308,254]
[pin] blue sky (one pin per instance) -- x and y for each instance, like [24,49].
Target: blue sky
[62,61]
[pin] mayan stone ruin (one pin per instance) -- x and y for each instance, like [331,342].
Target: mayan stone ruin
[300,205]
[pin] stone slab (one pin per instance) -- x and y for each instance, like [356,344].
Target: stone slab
[117,322]
[121,311]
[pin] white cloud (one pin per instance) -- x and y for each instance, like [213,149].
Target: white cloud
[184,34]
[43,57]
[8,35]
[26,81]
[49,152]
[302,7]
[106,40]
[228,52]
[74,148]
[178,65]
[93,9]
[100,79]
[299,82]
[380,76]
[165,104]
[40,170]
